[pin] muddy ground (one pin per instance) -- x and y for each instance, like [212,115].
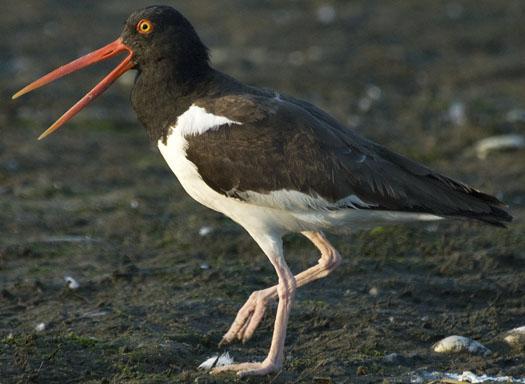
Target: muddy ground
[96,201]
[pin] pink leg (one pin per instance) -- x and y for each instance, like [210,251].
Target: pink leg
[252,312]
[272,247]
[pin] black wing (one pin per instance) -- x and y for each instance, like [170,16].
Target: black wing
[287,144]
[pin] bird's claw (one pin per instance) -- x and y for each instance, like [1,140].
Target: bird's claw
[248,317]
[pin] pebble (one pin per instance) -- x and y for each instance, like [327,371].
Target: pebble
[40,327]
[516,337]
[464,377]
[205,231]
[374,92]
[364,104]
[457,344]
[71,283]
[457,113]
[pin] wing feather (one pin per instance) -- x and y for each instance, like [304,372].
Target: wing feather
[287,144]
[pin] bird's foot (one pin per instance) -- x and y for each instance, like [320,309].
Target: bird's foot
[249,316]
[249,369]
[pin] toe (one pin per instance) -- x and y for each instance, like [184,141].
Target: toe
[262,369]
[252,325]
[248,369]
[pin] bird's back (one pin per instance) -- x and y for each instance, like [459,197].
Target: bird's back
[288,153]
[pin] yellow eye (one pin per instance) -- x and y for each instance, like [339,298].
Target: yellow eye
[144,27]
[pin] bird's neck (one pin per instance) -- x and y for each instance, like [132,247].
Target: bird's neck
[163,93]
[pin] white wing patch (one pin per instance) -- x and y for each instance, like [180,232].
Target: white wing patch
[299,201]
[196,121]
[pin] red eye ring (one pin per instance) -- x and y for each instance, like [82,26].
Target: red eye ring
[144,27]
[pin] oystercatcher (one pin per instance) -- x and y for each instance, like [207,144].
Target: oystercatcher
[272,163]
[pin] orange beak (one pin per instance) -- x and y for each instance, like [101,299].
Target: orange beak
[103,53]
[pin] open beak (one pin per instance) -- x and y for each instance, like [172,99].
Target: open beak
[103,53]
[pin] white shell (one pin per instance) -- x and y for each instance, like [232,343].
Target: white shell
[216,361]
[40,327]
[516,337]
[456,344]
[499,143]
[465,377]
[205,231]
[71,283]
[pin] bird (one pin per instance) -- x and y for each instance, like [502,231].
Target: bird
[273,163]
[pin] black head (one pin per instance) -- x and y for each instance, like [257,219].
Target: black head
[170,58]
[161,33]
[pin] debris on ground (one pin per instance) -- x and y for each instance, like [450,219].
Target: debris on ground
[457,344]
[499,143]
[516,337]
[217,361]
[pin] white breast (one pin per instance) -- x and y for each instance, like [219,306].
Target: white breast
[196,121]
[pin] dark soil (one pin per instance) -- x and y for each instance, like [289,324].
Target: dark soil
[96,202]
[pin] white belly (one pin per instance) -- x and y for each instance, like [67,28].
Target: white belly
[251,217]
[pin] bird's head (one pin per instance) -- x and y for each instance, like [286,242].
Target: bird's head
[150,36]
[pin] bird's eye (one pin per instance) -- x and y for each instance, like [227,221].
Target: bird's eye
[144,27]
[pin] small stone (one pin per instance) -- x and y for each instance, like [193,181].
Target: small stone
[374,291]
[134,204]
[516,337]
[205,231]
[364,104]
[71,283]
[40,327]
[457,113]
[374,92]
[204,266]
[457,344]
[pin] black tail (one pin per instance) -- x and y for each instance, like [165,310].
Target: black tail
[495,213]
